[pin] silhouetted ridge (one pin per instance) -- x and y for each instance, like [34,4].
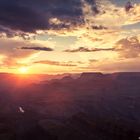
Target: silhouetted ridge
[91,75]
[67,78]
[127,76]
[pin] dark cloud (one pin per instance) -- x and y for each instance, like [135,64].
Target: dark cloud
[17,15]
[37,48]
[128,6]
[94,6]
[83,49]
[99,27]
[9,33]
[130,47]
[56,63]
[32,15]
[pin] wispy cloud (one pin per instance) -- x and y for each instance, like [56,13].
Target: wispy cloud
[56,63]
[37,48]
[83,49]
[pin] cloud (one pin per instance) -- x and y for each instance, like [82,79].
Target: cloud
[57,15]
[46,15]
[130,47]
[114,66]
[83,49]
[128,6]
[99,27]
[29,16]
[122,65]
[11,63]
[93,61]
[56,63]
[37,48]
[10,33]
[92,5]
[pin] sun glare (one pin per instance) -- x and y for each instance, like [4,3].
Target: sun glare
[23,70]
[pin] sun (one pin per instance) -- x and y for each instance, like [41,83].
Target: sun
[23,70]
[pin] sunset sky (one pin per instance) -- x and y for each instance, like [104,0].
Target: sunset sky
[60,36]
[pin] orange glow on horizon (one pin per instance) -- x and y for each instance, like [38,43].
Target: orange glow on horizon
[23,70]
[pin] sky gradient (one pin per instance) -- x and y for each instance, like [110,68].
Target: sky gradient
[69,36]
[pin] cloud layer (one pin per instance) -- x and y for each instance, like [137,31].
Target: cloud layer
[56,63]
[105,28]
[29,16]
